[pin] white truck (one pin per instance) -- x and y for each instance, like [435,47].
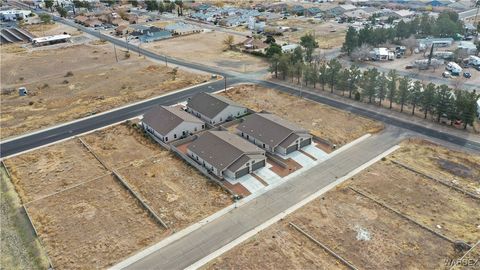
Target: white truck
[474,60]
[454,68]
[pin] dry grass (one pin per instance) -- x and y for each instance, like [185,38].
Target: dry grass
[93,226]
[278,247]
[52,169]
[458,168]
[436,206]
[338,220]
[208,49]
[178,193]
[42,29]
[18,243]
[337,126]
[121,145]
[98,84]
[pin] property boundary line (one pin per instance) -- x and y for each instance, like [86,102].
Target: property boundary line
[435,179]
[140,199]
[38,237]
[93,153]
[402,215]
[331,252]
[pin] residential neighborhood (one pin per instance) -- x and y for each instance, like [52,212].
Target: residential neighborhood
[278,134]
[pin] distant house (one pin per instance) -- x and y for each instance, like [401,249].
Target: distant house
[170,123]
[297,10]
[312,11]
[339,10]
[439,42]
[214,109]
[273,133]
[402,14]
[468,47]
[49,40]
[254,44]
[181,28]
[121,30]
[357,14]
[226,155]
[149,33]
[289,48]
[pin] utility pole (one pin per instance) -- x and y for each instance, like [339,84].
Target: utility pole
[126,40]
[166,62]
[139,47]
[115,50]
[225,79]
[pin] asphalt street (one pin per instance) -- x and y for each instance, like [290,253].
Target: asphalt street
[216,234]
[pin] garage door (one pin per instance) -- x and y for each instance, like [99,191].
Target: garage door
[258,165]
[291,149]
[305,143]
[241,172]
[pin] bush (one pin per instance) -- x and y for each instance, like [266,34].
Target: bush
[127,55]
[30,103]
[65,82]
[357,96]
[69,74]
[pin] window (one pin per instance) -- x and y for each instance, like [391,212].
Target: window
[174,136]
[221,119]
[203,126]
[195,129]
[197,158]
[183,132]
[238,113]
[263,145]
[248,137]
[242,134]
[166,139]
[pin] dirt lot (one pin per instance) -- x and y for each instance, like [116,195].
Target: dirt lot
[178,193]
[286,249]
[328,34]
[337,126]
[20,248]
[93,225]
[42,29]
[436,206]
[208,49]
[68,87]
[121,145]
[45,171]
[458,168]
[354,227]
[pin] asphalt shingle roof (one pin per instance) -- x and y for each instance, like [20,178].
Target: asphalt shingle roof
[164,119]
[210,105]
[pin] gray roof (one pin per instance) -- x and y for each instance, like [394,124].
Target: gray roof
[222,148]
[164,119]
[269,128]
[210,105]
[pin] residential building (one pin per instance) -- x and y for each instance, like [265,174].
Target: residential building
[49,40]
[273,133]
[214,109]
[289,48]
[170,123]
[339,10]
[225,154]
[439,42]
[382,54]
[468,47]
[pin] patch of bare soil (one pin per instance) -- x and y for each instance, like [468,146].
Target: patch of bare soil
[48,170]
[434,205]
[336,126]
[121,145]
[457,168]
[75,81]
[278,247]
[93,225]
[178,193]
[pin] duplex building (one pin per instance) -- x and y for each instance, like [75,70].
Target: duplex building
[170,123]
[226,154]
[214,109]
[273,133]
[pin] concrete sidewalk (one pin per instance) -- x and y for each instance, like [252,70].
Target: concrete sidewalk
[211,237]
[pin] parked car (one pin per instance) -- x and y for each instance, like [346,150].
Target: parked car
[477,67]
[467,75]
[446,74]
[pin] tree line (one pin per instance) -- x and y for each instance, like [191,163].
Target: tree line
[372,86]
[447,24]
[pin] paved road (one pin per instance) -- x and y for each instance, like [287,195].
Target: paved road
[377,116]
[79,127]
[209,238]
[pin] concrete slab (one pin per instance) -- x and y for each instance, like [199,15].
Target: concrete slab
[249,182]
[315,152]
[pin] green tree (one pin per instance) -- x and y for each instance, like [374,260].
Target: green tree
[415,95]
[354,77]
[151,5]
[351,40]
[284,64]
[402,30]
[443,101]
[381,88]
[62,11]
[468,107]
[428,99]
[228,42]
[392,86]
[274,62]
[309,43]
[310,75]
[134,3]
[49,4]
[323,75]
[333,70]
[298,70]
[369,83]
[343,80]
[297,55]
[270,40]
[161,7]
[403,87]
[45,18]
[273,49]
